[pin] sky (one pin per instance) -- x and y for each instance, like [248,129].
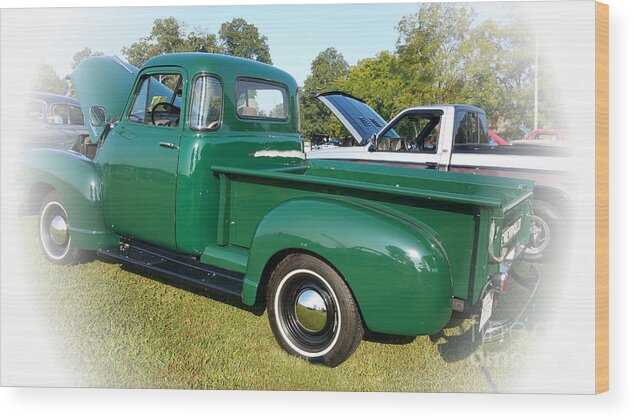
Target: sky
[296,33]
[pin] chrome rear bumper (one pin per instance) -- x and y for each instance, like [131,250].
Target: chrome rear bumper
[498,330]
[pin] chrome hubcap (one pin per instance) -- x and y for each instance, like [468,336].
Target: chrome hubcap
[307,313]
[541,234]
[311,310]
[54,232]
[58,230]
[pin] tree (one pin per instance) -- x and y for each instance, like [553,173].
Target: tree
[325,71]
[441,56]
[47,80]
[242,39]
[168,36]
[382,83]
[430,46]
[79,56]
[488,65]
[502,77]
[328,66]
[200,41]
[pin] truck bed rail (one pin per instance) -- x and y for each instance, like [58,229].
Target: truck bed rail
[422,194]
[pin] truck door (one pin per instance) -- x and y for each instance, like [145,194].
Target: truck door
[412,138]
[139,158]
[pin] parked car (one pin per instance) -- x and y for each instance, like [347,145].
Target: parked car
[546,135]
[204,179]
[495,137]
[51,121]
[456,138]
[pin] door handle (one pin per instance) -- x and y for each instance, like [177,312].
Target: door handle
[168,145]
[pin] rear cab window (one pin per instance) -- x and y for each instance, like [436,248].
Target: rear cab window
[261,100]
[470,129]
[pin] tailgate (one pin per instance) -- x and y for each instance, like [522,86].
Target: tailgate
[516,220]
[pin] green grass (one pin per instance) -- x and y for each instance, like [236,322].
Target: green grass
[119,328]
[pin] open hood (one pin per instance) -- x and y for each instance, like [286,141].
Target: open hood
[103,85]
[357,116]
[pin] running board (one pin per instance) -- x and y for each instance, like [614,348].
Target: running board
[181,267]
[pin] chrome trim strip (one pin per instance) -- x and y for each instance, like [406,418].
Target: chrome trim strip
[516,201]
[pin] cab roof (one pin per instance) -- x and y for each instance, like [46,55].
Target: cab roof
[223,66]
[50,98]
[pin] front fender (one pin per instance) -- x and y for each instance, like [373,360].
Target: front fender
[77,180]
[397,272]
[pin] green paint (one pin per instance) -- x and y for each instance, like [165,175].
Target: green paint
[403,239]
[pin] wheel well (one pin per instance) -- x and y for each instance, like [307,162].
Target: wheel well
[276,259]
[552,196]
[268,270]
[34,197]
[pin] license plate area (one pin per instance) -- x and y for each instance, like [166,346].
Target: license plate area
[487,309]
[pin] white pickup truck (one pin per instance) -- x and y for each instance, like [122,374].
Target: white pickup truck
[455,138]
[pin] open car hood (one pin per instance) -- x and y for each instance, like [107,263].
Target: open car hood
[102,82]
[357,116]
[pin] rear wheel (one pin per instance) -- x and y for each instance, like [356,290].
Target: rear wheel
[54,233]
[543,227]
[312,312]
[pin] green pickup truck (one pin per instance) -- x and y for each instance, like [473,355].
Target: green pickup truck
[195,169]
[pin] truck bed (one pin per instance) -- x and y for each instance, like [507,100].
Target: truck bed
[447,187]
[447,205]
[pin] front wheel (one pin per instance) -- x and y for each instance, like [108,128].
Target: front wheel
[312,312]
[54,233]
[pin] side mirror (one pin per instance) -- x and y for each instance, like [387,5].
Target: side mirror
[97,116]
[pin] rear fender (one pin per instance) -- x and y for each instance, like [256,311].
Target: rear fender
[397,272]
[77,180]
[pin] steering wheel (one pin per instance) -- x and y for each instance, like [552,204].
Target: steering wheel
[170,109]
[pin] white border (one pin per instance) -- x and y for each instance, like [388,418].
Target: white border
[97,404]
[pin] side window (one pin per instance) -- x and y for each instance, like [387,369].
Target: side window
[58,114]
[261,100]
[138,110]
[470,128]
[76,116]
[416,132]
[157,100]
[206,107]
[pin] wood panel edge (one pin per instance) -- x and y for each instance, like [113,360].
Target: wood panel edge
[602,198]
